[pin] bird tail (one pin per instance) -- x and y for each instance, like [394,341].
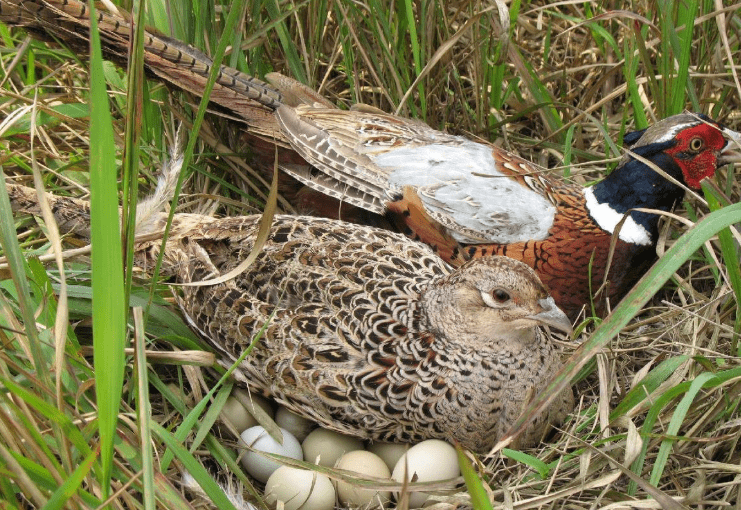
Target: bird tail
[150,212]
[71,214]
[185,67]
[167,59]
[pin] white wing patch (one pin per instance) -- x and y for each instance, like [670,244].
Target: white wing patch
[461,187]
[608,218]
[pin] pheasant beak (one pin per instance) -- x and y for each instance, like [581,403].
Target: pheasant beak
[730,153]
[552,316]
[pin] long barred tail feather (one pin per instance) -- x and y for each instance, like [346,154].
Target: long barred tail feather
[172,61]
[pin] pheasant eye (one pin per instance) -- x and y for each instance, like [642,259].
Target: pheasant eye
[500,295]
[696,144]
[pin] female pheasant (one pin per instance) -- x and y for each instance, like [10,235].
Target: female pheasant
[463,198]
[367,331]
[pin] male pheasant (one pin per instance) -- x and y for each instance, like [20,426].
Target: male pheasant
[469,199]
[465,199]
[371,333]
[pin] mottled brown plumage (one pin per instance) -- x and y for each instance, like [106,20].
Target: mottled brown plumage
[366,331]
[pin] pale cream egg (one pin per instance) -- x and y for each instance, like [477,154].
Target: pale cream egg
[239,409]
[389,452]
[429,461]
[353,495]
[328,446]
[299,489]
[293,423]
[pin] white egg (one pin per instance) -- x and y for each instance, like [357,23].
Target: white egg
[365,463]
[389,452]
[239,409]
[429,460]
[299,489]
[328,446]
[259,466]
[293,423]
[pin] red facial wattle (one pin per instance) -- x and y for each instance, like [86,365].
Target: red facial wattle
[697,164]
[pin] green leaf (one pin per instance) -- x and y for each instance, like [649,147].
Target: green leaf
[51,413]
[648,384]
[71,485]
[49,117]
[474,484]
[209,486]
[535,463]
[675,423]
[109,304]
[731,257]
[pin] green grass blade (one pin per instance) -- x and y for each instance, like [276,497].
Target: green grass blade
[630,70]
[43,478]
[661,402]
[647,385]
[231,23]
[411,24]
[109,320]
[227,457]
[538,90]
[682,42]
[292,57]
[475,486]
[649,70]
[674,424]
[665,58]
[210,417]
[17,263]
[194,467]
[132,135]
[162,319]
[730,256]
[71,485]
[523,458]
[567,151]
[144,411]
[51,413]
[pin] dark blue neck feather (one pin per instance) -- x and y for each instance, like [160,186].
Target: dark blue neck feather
[634,184]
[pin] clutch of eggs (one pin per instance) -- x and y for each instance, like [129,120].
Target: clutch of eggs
[302,489]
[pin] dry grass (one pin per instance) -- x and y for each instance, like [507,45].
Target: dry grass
[658,423]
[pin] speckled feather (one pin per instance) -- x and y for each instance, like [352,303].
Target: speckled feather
[366,331]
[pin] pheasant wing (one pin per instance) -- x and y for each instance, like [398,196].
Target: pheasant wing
[473,190]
